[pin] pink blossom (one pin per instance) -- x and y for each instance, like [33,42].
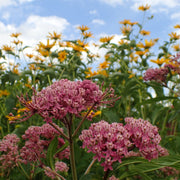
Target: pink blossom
[9,150]
[37,140]
[145,137]
[66,97]
[109,142]
[61,166]
[113,178]
[158,75]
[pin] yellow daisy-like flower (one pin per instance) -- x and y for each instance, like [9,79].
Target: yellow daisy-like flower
[44,53]
[177,26]
[16,42]
[126,29]
[103,72]
[87,35]
[47,46]
[7,48]
[141,53]
[15,70]
[30,55]
[144,8]
[176,47]
[106,39]
[16,35]
[131,76]
[13,118]
[4,93]
[22,110]
[83,28]
[62,55]
[89,73]
[160,61]
[144,33]
[97,113]
[54,36]
[174,36]
[147,44]
[104,65]
[127,22]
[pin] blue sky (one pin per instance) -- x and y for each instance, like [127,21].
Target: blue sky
[35,18]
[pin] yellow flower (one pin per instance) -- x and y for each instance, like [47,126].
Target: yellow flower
[144,8]
[7,48]
[133,58]
[103,72]
[104,65]
[141,53]
[127,22]
[144,33]
[89,73]
[4,93]
[177,26]
[160,61]
[47,46]
[97,113]
[15,70]
[16,42]
[174,36]
[147,44]
[87,34]
[126,30]
[44,53]
[30,55]
[83,28]
[22,110]
[106,39]
[54,36]
[13,118]
[15,35]
[62,55]
[28,85]
[131,75]
[176,47]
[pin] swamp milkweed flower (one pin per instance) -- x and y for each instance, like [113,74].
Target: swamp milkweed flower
[67,97]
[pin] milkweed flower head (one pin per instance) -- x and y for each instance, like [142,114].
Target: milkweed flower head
[9,151]
[67,97]
[112,142]
[158,75]
[109,142]
[37,140]
[145,137]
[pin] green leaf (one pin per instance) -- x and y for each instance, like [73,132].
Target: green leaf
[51,151]
[153,100]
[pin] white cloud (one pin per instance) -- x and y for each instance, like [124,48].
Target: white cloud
[6,15]
[112,2]
[98,21]
[175,16]
[34,29]
[156,3]
[24,1]
[93,12]
[5,3]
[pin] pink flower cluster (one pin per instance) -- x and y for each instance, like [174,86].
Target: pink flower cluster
[145,137]
[112,142]
[37,140]
[9,151]
[59,166]
[64,97]
[158,75]
[107,141]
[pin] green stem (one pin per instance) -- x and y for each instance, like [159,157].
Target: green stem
[72,157]
[84,118]
[164,123]
[65,68]
[49,79]
[28,177]
[89,167]
[59,130]
[140,99]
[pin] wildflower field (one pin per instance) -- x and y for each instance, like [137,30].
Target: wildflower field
[62,118]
